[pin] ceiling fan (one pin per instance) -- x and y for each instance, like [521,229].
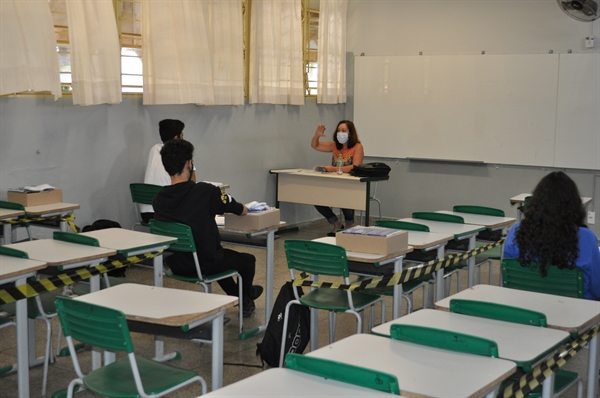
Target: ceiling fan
[581,10]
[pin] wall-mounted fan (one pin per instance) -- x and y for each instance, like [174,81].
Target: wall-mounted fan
[581,10]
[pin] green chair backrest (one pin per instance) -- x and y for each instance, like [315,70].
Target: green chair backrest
[75,238]
[408,226]
[183,233]
[432,216]
[9,251]
[11,205]
[499,312]
[94,325]
[316,257]
[343,372]
[143,193]
[483,210]
[444,339]
[561,282]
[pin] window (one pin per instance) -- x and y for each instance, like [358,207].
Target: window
[129,23]
[310,31]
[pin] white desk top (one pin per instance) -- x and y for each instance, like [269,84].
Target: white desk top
[564,313]
[531,345]
[127,240]
[312,173]
[278,382]
[364,257]
[14,266]
[421,371]
[491,222]
[160,305]
[521,199]
[50,208]
[7,214]
[249,231]
[457,230]
[56,252]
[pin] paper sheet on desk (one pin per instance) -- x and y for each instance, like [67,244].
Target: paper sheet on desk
[257,207]
[33,188]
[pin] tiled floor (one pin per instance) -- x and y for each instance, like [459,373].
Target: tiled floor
[239,355]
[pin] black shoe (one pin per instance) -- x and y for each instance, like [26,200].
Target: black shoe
[255,292]
[249,307]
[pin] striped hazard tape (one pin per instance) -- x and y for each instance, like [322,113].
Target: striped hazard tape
[537,375]
[69,218]
[399,277]
[33,288]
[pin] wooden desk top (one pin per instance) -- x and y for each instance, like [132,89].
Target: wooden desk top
[50,208]
[521,199]
[160,305]
[322,174]
[421,371]
[14,266]
[127,240]
[522,344]
[459,231]
[564,313]
[7,214]
[490,222]
[364,257]
[57,253]
[283,382]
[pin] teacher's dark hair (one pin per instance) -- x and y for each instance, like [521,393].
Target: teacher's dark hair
[549,232]
[174,155]
[352,135]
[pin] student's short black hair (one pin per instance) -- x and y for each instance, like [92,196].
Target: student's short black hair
[174,155]
[170,128]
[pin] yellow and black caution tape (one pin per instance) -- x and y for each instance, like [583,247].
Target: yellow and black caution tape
[69,218]
[33,288]
[398,277]
[537,375]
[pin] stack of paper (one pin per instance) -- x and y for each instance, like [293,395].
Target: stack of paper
[371,231]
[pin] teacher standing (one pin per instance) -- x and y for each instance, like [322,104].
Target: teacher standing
[347,145]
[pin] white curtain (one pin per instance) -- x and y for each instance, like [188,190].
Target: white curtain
[95,52]
[331,59]
[193,52]
[276,75]
[28,58]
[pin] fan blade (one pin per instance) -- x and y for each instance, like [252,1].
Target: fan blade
[576,5]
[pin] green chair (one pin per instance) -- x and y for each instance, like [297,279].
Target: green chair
[560,282]
[563,380]
[16,206]
[317,258]
[343,372]
[142,194]
[130,376]
[185,243]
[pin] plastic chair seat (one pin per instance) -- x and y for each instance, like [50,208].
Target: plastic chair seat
[336,300]
[562,380]
[205,278]
[116,379]
[492,254]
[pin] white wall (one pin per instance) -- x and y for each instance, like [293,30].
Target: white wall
[406,27]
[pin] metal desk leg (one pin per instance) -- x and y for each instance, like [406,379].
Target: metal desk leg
[592,383]
[471,262]
[397,305]
[314,323]
[64,227]
[439,279]
[158,270]
[94,287]
[270,275]
[7,231]
[368,204]
[22,346]
[217,352]
[548,387]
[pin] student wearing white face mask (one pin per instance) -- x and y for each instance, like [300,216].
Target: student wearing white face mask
[345,142]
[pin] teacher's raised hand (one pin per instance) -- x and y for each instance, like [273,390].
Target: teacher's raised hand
[320,132]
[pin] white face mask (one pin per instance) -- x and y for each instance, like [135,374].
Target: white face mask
[342,138]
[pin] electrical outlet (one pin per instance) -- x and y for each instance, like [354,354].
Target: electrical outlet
[589,42]
[591,219]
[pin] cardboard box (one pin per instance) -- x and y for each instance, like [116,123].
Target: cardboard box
[252,222]
[383,245]
[35,198]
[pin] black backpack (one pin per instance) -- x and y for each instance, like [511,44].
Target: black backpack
[105,224]
[375,169]
[298,332]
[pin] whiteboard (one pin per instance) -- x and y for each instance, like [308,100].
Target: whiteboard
[490,108]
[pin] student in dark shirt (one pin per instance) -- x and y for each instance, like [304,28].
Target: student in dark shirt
[196,205]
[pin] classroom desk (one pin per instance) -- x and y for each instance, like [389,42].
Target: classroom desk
[283,382]
[422,371]
[326,189]
[525,345]
[6,215]
[492,223]
[520,200]
[17,270]
[460,232]
[170,307]
[52,209]
[564,313]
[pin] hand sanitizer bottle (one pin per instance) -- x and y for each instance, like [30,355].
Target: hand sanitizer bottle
[340,162]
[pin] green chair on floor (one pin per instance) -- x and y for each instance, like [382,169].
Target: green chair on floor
[185,243]
[16,206]
[142,194]
[130,376]
[563,380]
[317,258]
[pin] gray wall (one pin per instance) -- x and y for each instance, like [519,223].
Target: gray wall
[403,27]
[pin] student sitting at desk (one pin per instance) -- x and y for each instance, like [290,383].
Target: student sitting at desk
[347,145]
[553,233]
[196,205]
